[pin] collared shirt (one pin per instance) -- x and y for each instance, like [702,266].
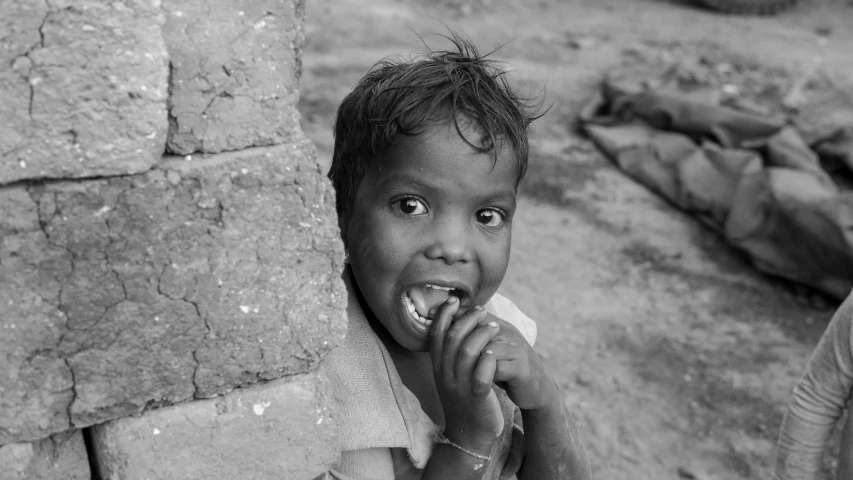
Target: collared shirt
[384,433]
[817,403]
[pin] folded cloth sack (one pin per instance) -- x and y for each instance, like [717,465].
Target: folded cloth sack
[751,178]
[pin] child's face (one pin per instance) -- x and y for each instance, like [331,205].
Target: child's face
[430,212]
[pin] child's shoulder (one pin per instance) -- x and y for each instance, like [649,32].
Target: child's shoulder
[504,309]
[842,319]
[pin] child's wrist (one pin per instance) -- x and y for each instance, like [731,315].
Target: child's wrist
[479,443]
[551,399]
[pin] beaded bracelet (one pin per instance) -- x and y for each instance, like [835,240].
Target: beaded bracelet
[440,438]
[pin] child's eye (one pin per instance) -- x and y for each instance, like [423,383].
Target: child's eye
[490,217]
[410,206]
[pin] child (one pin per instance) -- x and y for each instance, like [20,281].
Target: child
[819,399]
[437,371]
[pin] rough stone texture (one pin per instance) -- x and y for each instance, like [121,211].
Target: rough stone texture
[235,67]
[279,430]
[59,457]
[124,293]
[84,87]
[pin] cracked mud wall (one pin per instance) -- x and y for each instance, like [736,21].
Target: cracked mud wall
[166,234]
[217,429]
[234,77]
[83,88]
[59,457]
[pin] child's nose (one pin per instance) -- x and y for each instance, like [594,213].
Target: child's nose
[450,243]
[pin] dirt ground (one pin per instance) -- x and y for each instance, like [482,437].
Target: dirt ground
[675,356]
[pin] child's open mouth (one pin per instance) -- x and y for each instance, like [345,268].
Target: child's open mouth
[420,301]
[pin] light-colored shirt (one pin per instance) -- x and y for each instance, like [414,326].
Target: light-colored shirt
[384,433]
[817,404]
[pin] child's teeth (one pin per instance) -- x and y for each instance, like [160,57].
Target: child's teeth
[410,306]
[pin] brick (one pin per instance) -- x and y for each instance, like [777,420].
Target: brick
[235,67]
[60,457]
[36,386]
[86,91]
[278,430]
[125,293]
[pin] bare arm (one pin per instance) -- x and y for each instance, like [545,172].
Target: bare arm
[553,446]
[553,449]
[449,462]
[482,349]
[818,400]
[464,383]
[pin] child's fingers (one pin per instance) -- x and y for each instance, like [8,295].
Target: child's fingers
[511,371]
[440,323]
[472,347]
[504,349]
[484,374]
[456,334]
[509,361]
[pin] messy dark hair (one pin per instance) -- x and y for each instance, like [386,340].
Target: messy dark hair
[406,96]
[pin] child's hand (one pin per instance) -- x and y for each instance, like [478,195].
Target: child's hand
[518,369]
[464,375]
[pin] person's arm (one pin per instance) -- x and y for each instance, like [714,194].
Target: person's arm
[818,400]
[470,355]
[553,449]
[450,462]
[553,445]
[464,383]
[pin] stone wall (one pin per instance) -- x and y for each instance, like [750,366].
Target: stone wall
[169,255]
